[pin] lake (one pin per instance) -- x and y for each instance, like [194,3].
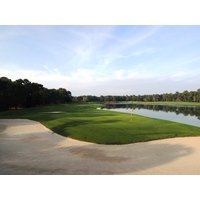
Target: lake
[177,113]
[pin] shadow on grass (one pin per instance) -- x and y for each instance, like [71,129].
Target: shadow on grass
[63,128]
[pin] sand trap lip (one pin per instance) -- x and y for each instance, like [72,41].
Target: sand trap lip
[28,147]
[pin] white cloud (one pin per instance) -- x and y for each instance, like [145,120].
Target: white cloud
[179,74]
[186,61]
[119,74]
[98,82]
[83,75]
[132,39]
[47,68]
[98,58]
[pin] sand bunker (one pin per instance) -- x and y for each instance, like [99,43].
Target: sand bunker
[27,147]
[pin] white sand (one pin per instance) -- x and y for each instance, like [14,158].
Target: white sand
[27,147]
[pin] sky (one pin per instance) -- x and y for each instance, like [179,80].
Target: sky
[103,60]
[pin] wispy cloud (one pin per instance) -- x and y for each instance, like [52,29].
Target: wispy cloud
[187,61]
[110,59]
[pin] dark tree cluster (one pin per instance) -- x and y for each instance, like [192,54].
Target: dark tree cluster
[186,96]
[24,94]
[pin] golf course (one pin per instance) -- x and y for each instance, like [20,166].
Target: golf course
[84,122]
[78,138]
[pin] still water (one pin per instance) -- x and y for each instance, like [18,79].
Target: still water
[177,113]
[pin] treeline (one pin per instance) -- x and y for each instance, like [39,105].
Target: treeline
[186,96]
[24,94]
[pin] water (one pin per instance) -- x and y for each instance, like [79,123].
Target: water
[177,113]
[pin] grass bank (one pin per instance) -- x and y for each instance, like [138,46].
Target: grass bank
[82,121]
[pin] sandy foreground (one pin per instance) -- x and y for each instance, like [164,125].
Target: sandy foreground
[27,147]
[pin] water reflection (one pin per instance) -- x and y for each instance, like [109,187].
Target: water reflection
[178,113]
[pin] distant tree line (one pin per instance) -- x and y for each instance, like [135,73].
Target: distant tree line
[24,94]
[186,96]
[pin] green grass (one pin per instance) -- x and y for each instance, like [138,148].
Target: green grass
[82,121]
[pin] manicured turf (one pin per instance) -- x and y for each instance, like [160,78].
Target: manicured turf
[82,121]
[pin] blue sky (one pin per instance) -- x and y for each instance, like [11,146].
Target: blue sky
[103,60]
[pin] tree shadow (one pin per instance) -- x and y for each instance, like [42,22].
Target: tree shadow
[126,159]
[63,128]
[46,153]
[2,128]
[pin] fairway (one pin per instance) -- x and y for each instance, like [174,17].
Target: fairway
[83,121]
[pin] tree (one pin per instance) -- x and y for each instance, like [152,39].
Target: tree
[18,94]
[24,94]
[63,95]
[5,84]
[101,98]
[36,96]
[185,95]
[198,95]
